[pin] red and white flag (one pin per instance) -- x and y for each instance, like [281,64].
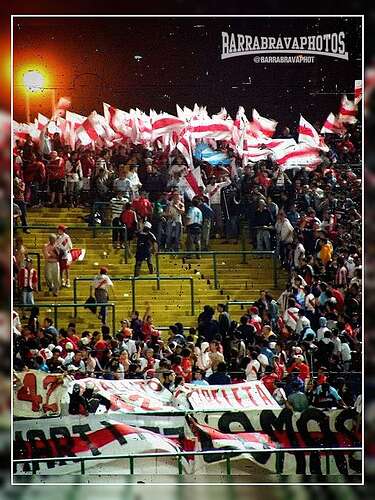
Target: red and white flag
[165,124]
[262,127]
[214,129]
[357,91]
[348,111]
[333,125]
[91,129]
[191,182]
[308,135]
[42,121]
[184,146]
[299,156]
[63,104]
[119,120]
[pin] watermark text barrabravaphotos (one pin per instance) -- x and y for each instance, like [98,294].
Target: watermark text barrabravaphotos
[328,44]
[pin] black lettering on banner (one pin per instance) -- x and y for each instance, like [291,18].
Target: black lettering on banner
[82,430]
[64,447]
[341,419]
[328,440]
[229,418]
[270,423]
[40,448]
[115,433]
[20,451]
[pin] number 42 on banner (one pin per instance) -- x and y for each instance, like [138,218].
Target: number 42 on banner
[28,392]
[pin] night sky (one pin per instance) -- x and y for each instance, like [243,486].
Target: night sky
[96,60]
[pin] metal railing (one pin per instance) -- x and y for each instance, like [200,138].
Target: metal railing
[134,279]
[55,307]
[215,254]
[79,227]
[221,454]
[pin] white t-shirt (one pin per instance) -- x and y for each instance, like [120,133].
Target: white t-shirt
[252,370]
[284,231]
[299,252]
[309,302]
[345,352]
[102,281]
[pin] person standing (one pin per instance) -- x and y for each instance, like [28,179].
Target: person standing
[19,198]
[129,221]
[207,214]
[28,282]
[263,224]
[194,220]
[174,212]
[214,191]
[146,244]
[56,178]
[51,266]
[74,176]
[117,207]
[64,246]
[100,287]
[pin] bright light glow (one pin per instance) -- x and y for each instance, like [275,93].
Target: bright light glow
[33,80]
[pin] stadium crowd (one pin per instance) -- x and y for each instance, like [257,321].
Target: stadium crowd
[302,344]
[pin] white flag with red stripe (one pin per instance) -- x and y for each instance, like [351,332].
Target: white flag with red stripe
[208,128]
[165,124]
[91,129]
[184,146]
[308,135]
[357,91]
[118,120]
[261,126]
[348,111]
[42,121]
[62,106]
[191,182]
[333,125]
[299,156]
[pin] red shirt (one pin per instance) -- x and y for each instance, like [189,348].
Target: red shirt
[128,217]
[35,171]
[142,206]
[303,368]
[87,165]
[186,366]
[56,169]
[269,381]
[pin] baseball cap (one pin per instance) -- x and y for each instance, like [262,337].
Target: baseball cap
[62,227]
[300,357]
[148,224]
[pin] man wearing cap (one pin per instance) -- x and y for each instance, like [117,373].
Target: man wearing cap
[146,245]
[63,246]
[100,286]
[128,344]
[51,265]
[302,367]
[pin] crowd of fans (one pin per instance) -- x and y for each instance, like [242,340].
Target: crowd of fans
[302,344]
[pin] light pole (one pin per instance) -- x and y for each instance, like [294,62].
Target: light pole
[33,81]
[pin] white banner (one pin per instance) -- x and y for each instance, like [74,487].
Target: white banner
[37,394]
[76,436]
[132,395]
[244,396]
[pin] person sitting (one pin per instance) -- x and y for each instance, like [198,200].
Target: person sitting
[220,377]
